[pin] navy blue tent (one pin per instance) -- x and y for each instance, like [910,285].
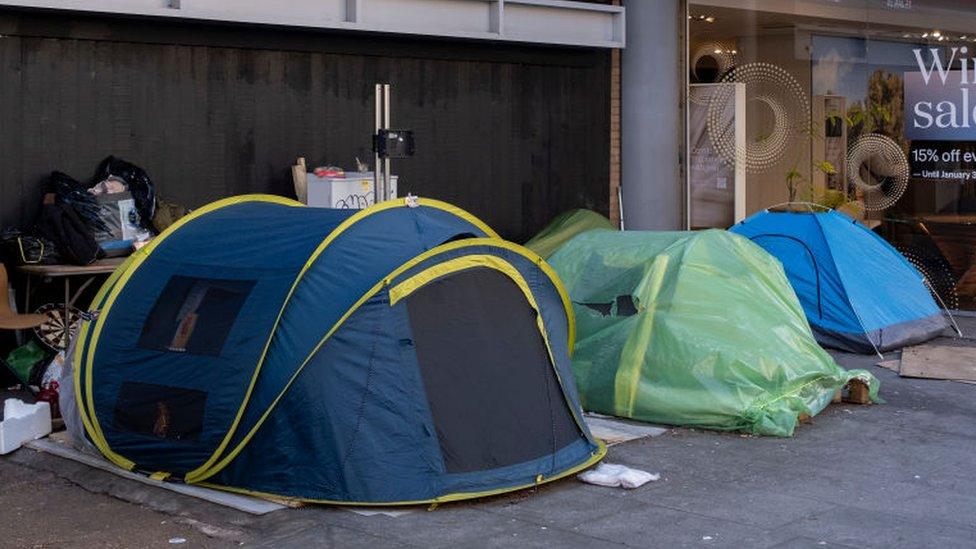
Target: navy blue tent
[398,354]
[859,293]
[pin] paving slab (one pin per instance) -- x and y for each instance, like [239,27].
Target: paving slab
[864,528]
[40,509]
[574,505]
[645,524]
[755,504]
[805,543]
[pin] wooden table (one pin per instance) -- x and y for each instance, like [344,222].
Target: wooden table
[66,273]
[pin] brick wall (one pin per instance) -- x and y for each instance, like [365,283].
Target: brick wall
[615,133]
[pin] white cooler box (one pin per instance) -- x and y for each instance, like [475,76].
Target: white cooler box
[355,190]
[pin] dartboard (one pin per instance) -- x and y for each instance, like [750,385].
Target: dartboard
[52,333]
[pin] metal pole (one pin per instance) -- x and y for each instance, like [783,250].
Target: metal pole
[386,126]
[620,205]
[67,313]
[378,117]
[652,84]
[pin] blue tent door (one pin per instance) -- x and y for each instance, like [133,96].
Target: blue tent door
[486,371]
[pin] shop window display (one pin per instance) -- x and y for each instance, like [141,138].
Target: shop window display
[866,106]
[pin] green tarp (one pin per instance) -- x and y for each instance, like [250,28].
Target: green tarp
[693,328]
[564,227]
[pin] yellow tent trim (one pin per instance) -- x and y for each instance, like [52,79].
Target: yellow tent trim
[132,264]
[462,263]
[201,475]
[597,455]
[198,473]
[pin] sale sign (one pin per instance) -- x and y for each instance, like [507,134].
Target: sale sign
[940,114]
[943,160]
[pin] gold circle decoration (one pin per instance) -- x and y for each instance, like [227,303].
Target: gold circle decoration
[774,100]
[878,168]
[724,55]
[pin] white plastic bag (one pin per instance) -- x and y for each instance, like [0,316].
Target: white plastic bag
[69,406]
[608,474]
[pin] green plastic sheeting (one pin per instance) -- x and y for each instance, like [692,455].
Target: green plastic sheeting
[22,360]
[693,328]
[564,227]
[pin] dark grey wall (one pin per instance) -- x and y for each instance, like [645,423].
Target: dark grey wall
[513,133]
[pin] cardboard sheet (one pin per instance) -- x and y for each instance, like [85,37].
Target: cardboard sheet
[939,362]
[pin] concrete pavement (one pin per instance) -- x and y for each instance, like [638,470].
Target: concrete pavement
[893,475]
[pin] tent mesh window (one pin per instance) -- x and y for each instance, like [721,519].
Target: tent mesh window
[486,372]
[171,413]
[194,315]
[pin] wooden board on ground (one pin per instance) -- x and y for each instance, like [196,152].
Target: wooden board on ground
[939,362]
[894,365]
[856,392]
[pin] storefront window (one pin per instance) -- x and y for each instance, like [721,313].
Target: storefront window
[865,106]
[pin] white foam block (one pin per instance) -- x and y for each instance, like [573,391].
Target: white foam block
[23,423]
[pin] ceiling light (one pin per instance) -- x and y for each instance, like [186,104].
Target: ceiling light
[709,19]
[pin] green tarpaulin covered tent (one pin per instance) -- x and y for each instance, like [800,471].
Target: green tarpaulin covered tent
[564,227]
[693,328]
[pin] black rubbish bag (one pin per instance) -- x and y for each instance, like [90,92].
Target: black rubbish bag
[21,248]
[140,186]
[60,223]
[75,194]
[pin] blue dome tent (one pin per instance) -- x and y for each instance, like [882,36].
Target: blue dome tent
[859,294]
[398,354]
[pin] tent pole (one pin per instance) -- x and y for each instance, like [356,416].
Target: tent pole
[952,319]
[871,341]
[865,330]
[851,305]
[809,205]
